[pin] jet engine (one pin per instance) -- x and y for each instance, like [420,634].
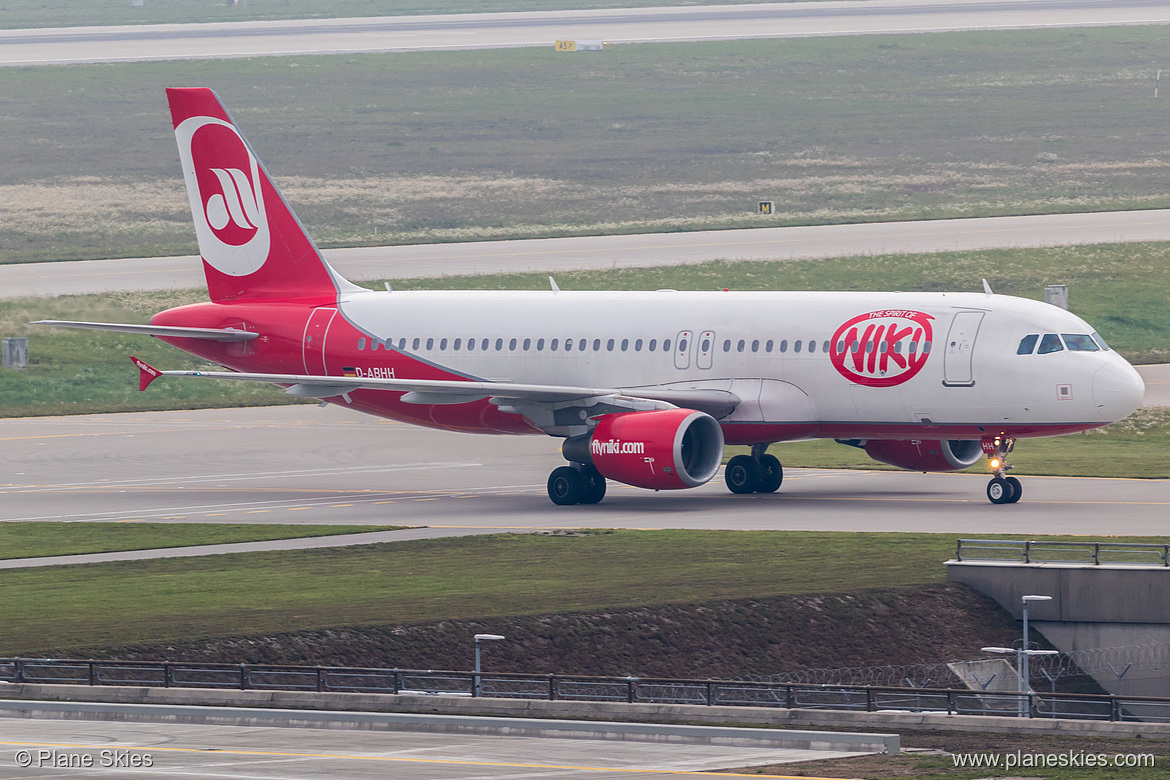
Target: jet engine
[925,454]
[665,449]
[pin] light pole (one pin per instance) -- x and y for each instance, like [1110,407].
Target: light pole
[1023,685]
[479,638]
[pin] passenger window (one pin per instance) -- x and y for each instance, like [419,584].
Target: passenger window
[483,345]
[458,344]
[581,345]
[1079,342]
[666,345]
[430,343]
[1050,343]
[812,346]
[499,344]
[726,345]
[415,344]
[825,346]
[362,344]
[682,345]
[402,343]
[471,345]
[768,346]
[443,344]
[796,346]
[1028,344]
[706,345]
[755,345]
[653,345]
[784,345]
[553,345]
[625,344]
[926,348]
[512,345]
[540,345]
[527,344]
[856,345]
[638,345]
[609,346]
[739,346]
[568,345]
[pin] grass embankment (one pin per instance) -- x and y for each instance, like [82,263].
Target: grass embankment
[31,540]
[448,146]
[473,578]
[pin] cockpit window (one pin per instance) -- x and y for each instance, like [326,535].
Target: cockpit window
[1100,341]
[1080,342]
[1050,343]
[1028,344]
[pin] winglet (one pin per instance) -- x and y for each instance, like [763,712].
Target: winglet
[146,373]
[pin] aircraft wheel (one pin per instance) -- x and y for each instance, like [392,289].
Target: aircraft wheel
[565,486]
[1017,489]
[742,475]
[999,491]
[592,486]
[771,474]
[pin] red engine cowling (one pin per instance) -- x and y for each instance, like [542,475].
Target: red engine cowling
[925,454]
[661,450]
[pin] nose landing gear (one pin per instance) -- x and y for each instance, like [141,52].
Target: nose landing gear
[1001,489]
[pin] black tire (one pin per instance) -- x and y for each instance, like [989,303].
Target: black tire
[592,486]
[1017,489]
[771,474]
[565,486]
[742,475]
[999,491]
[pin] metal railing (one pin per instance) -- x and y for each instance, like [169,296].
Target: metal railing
[560,687]
[1094,553]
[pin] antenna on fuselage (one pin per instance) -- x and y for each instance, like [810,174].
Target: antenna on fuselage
[987,288]
[553,282]
[388,287]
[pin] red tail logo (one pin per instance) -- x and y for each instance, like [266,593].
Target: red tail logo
[882,348]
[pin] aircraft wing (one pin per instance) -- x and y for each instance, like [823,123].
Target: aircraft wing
[446,391]
[212,334]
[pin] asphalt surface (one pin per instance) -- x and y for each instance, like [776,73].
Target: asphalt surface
[167,750]
[477,31]
[601,252]
[303,464]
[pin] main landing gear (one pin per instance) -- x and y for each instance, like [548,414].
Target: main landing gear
[755,473]
[576,484]
[1001,489]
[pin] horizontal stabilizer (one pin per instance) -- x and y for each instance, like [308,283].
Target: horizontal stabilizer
[211,334]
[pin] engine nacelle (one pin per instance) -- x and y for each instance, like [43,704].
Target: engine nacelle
[666,449]
[925,454]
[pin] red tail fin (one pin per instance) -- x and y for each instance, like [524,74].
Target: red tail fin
[252,244]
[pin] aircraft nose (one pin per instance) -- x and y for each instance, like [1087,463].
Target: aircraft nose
[1118,389]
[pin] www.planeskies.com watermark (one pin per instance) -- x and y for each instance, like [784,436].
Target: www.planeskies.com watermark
[1069,759]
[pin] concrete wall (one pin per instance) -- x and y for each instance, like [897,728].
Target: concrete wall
[1111,605]
[21,696]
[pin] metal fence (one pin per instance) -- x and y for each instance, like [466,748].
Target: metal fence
[1094,553]
[557,687]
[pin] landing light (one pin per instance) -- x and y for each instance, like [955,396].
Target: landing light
[993,463]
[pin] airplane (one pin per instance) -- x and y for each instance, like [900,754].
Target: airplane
[645,388]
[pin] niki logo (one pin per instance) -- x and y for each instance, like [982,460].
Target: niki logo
[227,199]
[882,348]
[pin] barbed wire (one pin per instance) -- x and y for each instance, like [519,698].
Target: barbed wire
[1152,655]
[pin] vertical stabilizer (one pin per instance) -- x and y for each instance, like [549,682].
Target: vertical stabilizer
[252,244]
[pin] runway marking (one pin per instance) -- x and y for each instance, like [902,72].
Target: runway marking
[403,759]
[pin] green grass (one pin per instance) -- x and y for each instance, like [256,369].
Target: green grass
[449,146]
[32,540]
[431,580]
